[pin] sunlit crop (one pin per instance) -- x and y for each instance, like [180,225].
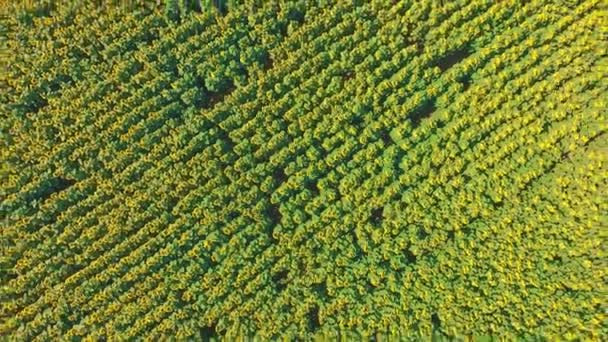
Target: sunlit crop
[303,169]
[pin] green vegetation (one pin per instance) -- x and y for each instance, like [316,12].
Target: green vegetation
[303,169]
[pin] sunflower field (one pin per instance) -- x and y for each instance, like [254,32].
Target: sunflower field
[304,170]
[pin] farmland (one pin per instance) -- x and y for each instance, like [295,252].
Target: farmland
[304,169]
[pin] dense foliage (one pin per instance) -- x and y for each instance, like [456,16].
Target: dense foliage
[299,168]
